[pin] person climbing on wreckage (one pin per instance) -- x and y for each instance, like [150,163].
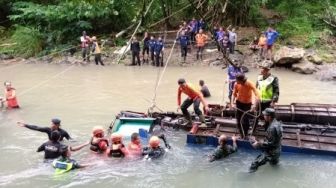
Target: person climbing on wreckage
[194,97]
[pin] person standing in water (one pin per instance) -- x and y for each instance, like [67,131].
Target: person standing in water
[10,96]
[204,89]
[223,150]
[55,125]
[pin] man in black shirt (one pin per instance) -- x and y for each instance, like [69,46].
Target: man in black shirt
[53,148]
[135,48]
[55,125]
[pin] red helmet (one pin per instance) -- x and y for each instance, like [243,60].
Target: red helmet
[116,137]
[102,145]
[154,142]
[98,130]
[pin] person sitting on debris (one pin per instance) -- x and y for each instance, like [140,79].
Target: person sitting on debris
[254,44]
[194,97]
[204,89]
[271,146]
[223,149]
[98,142]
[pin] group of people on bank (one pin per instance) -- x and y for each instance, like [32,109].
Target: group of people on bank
[265,43]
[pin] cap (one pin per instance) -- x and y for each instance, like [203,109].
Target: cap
[269,112]
[116,137]
[56,121]
[265,65]
[181,81]
[97,130]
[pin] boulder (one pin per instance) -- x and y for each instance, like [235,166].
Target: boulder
[304,67]
[288,56]
[315,59]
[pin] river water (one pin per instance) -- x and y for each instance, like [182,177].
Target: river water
[86,96]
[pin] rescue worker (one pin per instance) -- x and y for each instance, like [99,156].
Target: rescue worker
[52,148]
[271,146]
[134,147]
[10,96]
[201,39]
[268,87]
[151,44]
[233,71]
[65,163]
[223,149]
[219,38]
[243,92]
[154,150]
[117,148]
[55,126]
[204,89]
[158,52]
[96,51]
[193,29]
[184,42]
[145,49]
[85,45]
[135,48]
[194,97]
[98,142]
[201,25]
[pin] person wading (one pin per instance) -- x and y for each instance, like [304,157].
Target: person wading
[271,146]
[55,126]
[10,96]
[268,87]
[243,92]
[194,97]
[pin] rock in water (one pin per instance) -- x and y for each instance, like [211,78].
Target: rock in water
[315,59]
[304,67]
[288,56]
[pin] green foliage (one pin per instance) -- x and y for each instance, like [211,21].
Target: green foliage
[29,41]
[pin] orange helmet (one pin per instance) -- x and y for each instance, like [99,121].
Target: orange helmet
[103,145]
[154,142]
[116,137]
[98,130]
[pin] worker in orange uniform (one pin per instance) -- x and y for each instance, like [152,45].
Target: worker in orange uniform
[201,39]
[194,97]
[10,96]
[243,92]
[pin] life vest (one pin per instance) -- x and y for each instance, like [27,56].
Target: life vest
[115,150]
[201,39]
[262,41]
[62,166]
[85,41]
[11,101]
[266,88]
[97,147]
[97,48]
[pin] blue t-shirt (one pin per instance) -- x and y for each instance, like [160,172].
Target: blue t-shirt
[233,71]
[151,44]
[184,40]
[271,37]
[220,35]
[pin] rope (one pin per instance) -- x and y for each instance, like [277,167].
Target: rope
[136,29]
[44,82]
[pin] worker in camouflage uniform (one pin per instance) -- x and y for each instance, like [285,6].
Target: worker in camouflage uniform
[271,146]
[223,150]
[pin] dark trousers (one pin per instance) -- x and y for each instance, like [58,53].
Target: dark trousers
[232,47]
[218,46]
[199,52]
[145,50]
[86,54]
[98,59]
[264,158]
[231,85]
[243,118]
[192,36]
[263,106]
[185,105]
[152,56]
[184,51]
[159,59]
[137,56]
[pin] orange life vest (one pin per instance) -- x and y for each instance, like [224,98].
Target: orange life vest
[201,39]
[11,101]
